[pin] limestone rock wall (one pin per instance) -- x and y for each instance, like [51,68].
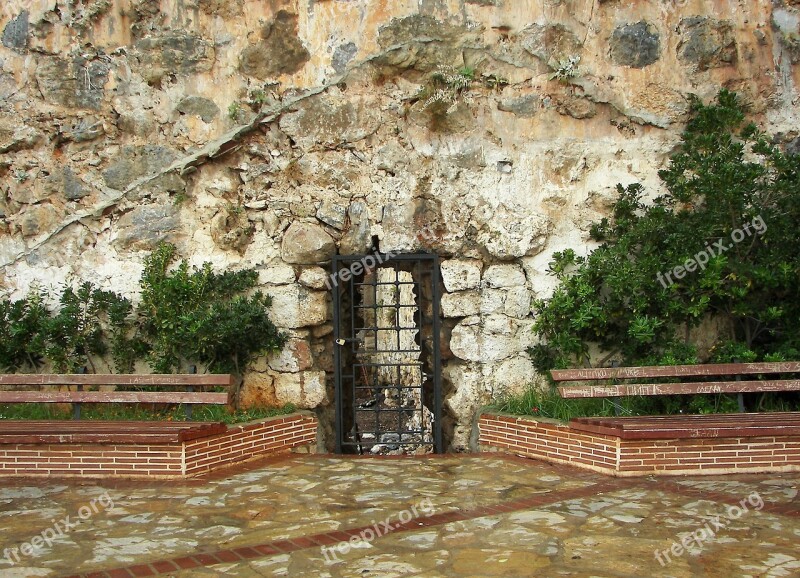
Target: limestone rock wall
[270,134]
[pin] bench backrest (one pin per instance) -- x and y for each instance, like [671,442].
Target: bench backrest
[180,388]
[716,379]
[199,380]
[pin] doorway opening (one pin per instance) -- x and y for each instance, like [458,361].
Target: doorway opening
[387,358]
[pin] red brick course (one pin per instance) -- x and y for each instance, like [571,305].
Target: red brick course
[555,442]
[175,460]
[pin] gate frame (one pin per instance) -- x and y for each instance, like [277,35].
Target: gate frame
[343,265]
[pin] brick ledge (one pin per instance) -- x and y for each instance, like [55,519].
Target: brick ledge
[239,444]
[555,442]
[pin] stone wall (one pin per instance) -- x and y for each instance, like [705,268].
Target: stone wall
[272,134]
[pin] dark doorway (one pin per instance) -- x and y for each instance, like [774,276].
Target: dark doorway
[386,354]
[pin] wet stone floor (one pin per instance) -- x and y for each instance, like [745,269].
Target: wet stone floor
[485,515]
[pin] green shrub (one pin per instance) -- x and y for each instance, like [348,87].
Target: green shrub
[199,316]
[728,185]
[185,317]
[87,319]
[22,332]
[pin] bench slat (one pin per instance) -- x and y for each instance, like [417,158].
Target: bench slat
[578,391]
[186,397]
[690,426]
[165,380]
[707,370]
[60,432]
[72,426]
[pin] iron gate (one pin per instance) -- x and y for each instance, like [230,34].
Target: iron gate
[386,353]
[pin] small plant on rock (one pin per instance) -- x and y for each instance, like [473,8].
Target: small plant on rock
[565,70]
[449,86]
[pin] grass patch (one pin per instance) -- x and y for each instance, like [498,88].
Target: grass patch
[549,403]
[126,412]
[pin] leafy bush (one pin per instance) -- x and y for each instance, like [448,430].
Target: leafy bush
[185,317]
[198,315]
[727,186]
[82,326]
[22,332]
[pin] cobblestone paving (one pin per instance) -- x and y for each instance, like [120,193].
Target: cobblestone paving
[322,516]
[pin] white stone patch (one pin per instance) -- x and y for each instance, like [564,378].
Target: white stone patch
[137,518]
[474,525]
[549,479]
[128,549]
[461,304]
[395,494]
[420,539]
[467,483]
[537,517]
[27,493]
[24,572]
[626,519]
[314,278]
[218,532]
[271,562]
[490,340]
[43,513]
[492,301]
[305,389]
[279,274]
[777,565]
[300,484]
[198,501]
[498,276]
[461,274]
[295,306]
[385,566]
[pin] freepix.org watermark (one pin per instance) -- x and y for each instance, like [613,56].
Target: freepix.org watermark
[701,258]
[369,262]
[706,533]
[377,530]
[57,530]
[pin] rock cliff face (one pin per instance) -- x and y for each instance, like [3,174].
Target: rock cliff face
[270,134]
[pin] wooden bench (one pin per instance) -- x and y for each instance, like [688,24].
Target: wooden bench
[77,389]
[729,378]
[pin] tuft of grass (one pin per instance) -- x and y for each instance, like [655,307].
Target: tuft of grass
[550,404]
[126,412]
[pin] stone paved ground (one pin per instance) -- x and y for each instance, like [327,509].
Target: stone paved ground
[442,516]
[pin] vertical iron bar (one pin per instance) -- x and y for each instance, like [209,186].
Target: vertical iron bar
[351,283]
[374,359]
[337,358]
[437,358]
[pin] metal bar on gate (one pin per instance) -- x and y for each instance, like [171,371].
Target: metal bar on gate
[437,358]
[337,358]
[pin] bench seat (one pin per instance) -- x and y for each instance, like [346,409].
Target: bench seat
[105,432]
[692,426]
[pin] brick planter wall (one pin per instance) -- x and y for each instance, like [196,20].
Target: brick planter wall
[556,442]
[176,460]
[246,441]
